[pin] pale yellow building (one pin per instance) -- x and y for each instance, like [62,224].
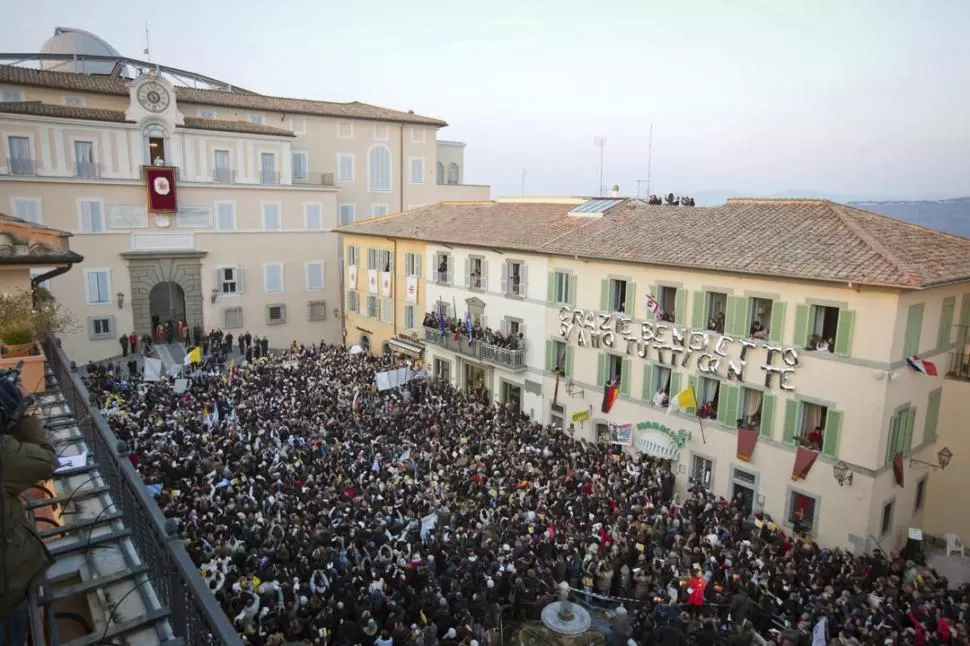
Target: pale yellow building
[792,322]
[261,183]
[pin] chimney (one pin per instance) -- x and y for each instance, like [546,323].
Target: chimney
[616,190]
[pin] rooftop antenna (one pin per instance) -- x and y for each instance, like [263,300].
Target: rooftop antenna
[523,182]
[649,158]
[148,44]
[601,142]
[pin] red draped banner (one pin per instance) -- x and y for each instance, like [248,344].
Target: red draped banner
[161,189]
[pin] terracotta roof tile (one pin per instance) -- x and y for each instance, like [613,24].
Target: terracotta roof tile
[22,242]
[118,87]
[235,126]
[808,239]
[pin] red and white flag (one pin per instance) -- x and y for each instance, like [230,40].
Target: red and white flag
[922,365]
[653,305]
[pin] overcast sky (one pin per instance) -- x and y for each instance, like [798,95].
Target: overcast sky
[867,98]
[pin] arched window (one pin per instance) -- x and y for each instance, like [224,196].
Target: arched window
[452,173]
[441,173]
[379,169]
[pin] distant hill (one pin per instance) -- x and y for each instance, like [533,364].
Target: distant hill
[951,216]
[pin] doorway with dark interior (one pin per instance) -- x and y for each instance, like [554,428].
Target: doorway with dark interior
[167,303]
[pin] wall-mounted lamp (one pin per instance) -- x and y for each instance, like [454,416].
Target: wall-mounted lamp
[121,299]
[573,391]
[943,458]
[214,295]
[842,474]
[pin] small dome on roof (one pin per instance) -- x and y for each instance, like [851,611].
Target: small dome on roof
[77,41]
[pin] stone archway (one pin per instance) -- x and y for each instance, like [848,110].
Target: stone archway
[166,303]
[148,269]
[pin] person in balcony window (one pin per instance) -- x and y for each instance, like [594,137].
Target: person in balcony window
[708,410]
[815,439]
[758,331]
[443,269]
[660,399]
[716,323]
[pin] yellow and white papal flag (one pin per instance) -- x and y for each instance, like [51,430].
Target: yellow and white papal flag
[194,356]
[683,400]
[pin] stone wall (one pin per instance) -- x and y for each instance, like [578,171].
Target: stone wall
[148,270]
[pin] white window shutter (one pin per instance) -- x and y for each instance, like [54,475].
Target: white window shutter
[523,279]
[468,272]
[503,327]
[485,274]
[417,265]
[505,277]
[240,284]
[219,277]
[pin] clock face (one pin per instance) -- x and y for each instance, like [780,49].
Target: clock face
[153,97]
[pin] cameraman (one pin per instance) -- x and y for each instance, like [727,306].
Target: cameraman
[27,457]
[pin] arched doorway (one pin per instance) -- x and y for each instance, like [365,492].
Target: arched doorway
[166,303]
[365,342]
[386,349]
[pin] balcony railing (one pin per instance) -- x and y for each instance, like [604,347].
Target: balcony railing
[223,175]
[270,177]
[504,357]
[959,366]
[316,179]
[23,167]
[87,170]
[195,616]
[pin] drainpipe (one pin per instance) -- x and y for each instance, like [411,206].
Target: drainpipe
[37,280]
[394,287]
[401,154]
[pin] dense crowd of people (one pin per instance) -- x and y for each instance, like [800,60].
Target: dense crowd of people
[323,511]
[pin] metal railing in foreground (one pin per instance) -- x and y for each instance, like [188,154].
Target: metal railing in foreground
[196,616]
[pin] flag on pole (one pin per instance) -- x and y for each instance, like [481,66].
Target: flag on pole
[922,365]
[441,319]
[653,305]
[610,394]
[468,326]
[684,400]
[194,356]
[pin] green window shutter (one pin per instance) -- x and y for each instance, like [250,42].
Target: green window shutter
[569,361]
[833,433]
[647,382]
[699,315]
[965,310]
[800,339]
[910,425]
[735,317]
[601,374]
[776,330]
[631,299]
[680,306]
[727,410]
[674,385]
[571,289]
[551,287]
[655,292]
[730,313]
[843,336]
[625,377]
[946,323]
[891,441]
[791,420]
[550,355]
[767,416]
[914,328]
[605,295]
[932,415]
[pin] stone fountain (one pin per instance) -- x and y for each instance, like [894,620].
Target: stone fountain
[565,619]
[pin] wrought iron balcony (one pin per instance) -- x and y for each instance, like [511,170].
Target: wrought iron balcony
[223,175]
[503,357]
[87,170]
[22,167]
[320,179]
[959,366]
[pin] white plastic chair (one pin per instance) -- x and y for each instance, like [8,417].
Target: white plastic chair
[954,544]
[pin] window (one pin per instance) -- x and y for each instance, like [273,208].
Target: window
[920,495]
[272,220]
[708,391]
[387,310]
[300,165]
[614,369]
[267,169]
[559,358]
[20,155]
[347,213]
[313,216]
[194,216]
[661,377]
[444,269]
[515,279]
[97,286]
[379,210]
[381,133]
[759,317]
[442,370]
[27,208]
[225,216]
[74,100]
[273,278]
[410,317]
[314,276]
[91,214]
[412,264]
[824,327]
[379,169]
[441,173]
[345,130]
[276,313]
[886,523]
[602,433]
[101,327]
[476,274]
[716,309]
[560,287]
[453,173]
[353,256]
[802,510]
[750,411]
[385,260]
[11,96]
[702,471]
[232,318]
[417,135]
[208,114]
[222,167]
[353,301]
[229,280]
[417,170]
[256,118]
[811,430]
[316,310]
[373,311]
[617,295]
[371,258]
[900,438]
[345,168]
[667,299]
[298,125]
[84,165]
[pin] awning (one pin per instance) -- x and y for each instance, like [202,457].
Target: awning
[747,438]
[408,347]
[804,459]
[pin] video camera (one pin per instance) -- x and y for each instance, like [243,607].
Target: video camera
[14,402]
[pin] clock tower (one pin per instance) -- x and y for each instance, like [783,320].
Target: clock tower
[152,106]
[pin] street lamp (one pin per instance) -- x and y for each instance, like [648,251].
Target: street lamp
[943,457]
[842,474]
